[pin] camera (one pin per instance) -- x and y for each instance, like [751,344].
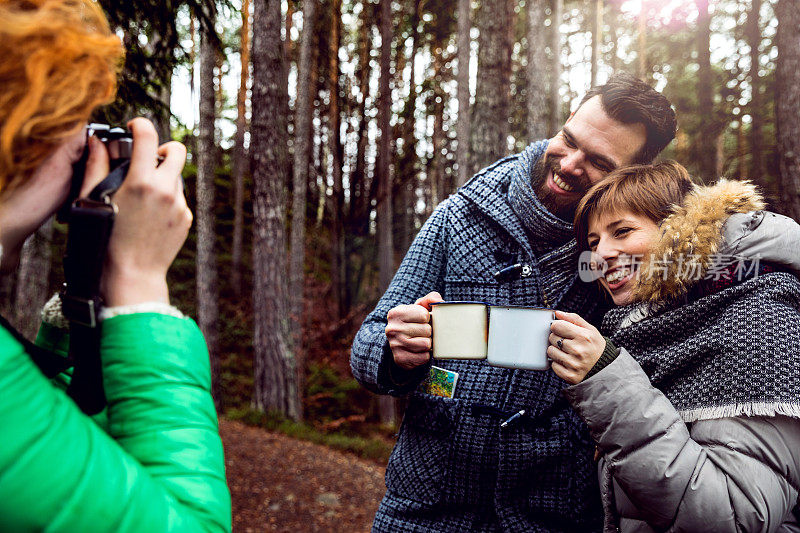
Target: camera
[119,143]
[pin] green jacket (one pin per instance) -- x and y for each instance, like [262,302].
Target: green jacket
[158,466]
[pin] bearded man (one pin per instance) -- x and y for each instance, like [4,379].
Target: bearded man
[504,238]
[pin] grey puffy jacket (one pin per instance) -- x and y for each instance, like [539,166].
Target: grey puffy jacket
[729,474]
[656,474]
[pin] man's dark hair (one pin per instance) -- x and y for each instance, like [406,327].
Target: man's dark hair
[631,101]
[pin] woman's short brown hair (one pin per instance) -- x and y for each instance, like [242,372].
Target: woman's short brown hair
[58,61]
[645,190]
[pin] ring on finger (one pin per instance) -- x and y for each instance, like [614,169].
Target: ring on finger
[559,344]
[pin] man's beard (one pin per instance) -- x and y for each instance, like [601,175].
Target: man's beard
[563,208]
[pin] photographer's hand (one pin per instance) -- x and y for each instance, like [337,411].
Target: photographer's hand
[97,166]
[152,222]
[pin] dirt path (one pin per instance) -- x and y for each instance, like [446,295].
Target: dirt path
[281,484]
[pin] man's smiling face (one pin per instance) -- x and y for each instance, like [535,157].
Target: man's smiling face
[589,146]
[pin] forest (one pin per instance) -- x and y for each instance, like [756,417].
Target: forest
[322,134]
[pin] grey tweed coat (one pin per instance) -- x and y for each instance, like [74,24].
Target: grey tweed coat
[453,467]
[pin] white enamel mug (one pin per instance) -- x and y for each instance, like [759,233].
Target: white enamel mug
[518,337]
[459,330]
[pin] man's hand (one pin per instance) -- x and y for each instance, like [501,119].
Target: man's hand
[581,347]
[409,332]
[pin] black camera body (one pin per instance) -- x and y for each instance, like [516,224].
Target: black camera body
[119,143]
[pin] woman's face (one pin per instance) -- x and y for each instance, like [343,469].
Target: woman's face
[621,240]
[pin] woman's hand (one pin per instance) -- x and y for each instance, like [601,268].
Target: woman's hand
[152,222]
[581,345]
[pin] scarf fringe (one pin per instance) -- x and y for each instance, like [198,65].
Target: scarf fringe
[741,409]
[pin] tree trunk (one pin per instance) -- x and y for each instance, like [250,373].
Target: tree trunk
[388,409]
[335,149]
[597,38]
[319,160]
[8,282]
[384,154]
[741,171]
[463,126]
[160,116]
[614,33]
[165,96]
[407,176]
[756,109]
[287,44]
[555,83]
[359,201]
[537,67]
[207,291]
[33,281]
[275,380]
[788,102]
[302,159]
[436,164]
[493,93]
[192,62]
[358,212]
[239,155]
[707,154]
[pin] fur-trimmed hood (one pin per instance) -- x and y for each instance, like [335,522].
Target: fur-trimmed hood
[691,237]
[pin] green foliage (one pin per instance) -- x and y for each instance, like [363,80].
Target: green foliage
[329,397]
[152,51]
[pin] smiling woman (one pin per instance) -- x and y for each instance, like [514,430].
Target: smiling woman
[618,219]
[621,240]
[694,385]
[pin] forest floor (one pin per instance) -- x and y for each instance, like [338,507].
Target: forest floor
[283,484]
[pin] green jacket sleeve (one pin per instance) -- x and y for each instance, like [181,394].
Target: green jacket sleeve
[160,467]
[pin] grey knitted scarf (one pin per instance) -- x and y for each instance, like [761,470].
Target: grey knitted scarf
[731,353]
[552,239]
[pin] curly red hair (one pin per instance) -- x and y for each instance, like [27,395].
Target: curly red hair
[58,61]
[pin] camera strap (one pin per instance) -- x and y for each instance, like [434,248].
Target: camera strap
[91,221]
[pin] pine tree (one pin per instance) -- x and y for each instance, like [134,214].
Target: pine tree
[537,67]
[207,291]
[788,104]
[275,380]
[463,129]
[705,91]
[385,245]
[555,69]
[493,92]
[239,153]
[755,108]
[302,160]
